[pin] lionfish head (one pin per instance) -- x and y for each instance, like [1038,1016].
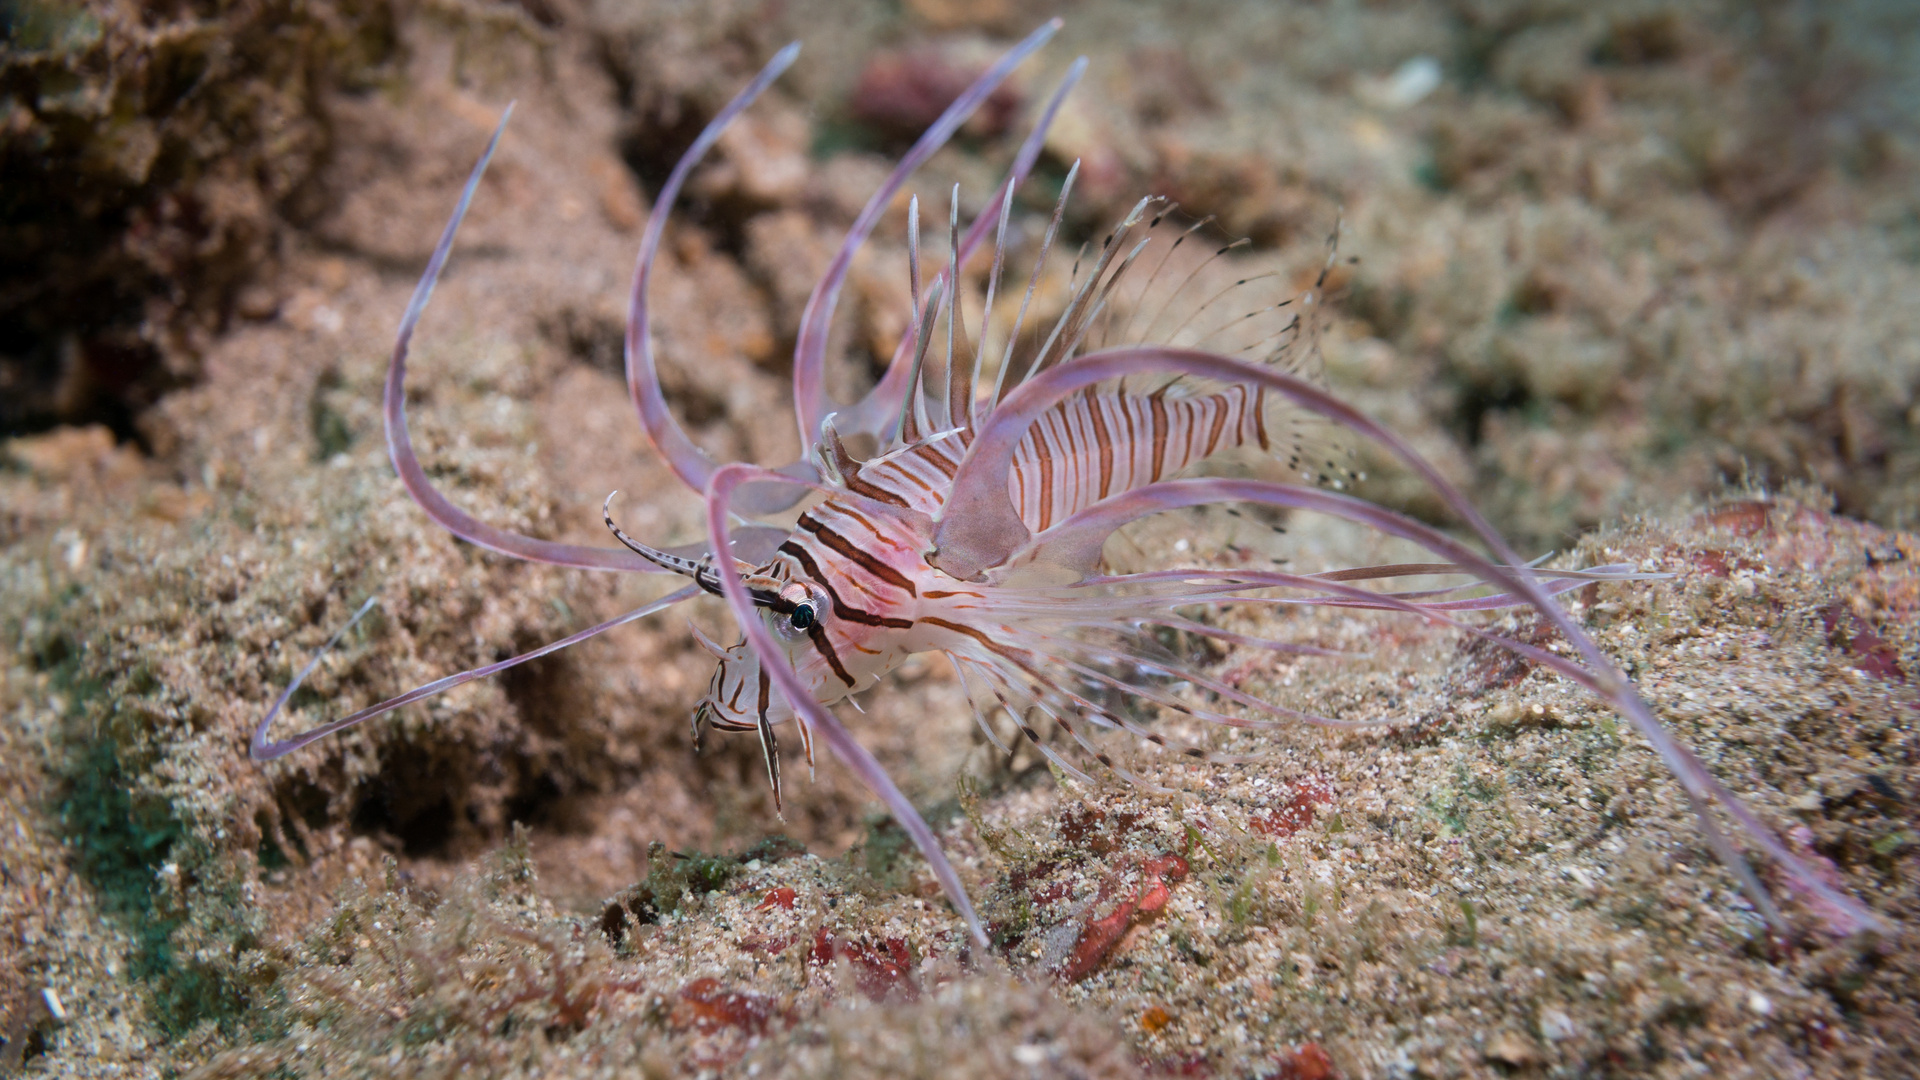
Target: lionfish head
[739,694]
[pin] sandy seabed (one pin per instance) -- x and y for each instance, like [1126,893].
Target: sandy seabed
[1640,279]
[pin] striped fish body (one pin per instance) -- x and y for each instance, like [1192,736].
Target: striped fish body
[1090,448]
[861,561]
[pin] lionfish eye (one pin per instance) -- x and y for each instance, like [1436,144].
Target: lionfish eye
[802,616]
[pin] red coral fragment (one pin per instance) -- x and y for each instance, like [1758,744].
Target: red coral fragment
[1872,654]
[1715,563]
[879,971]
[1160,871]
[1096,940]
[1305,1062]
[1099,936]
[1298,811]
[706,1005]
[781,898]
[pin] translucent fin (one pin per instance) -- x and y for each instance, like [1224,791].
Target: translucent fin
[809,356]
[262,750]
[400,442]
[689,462]
[980,529]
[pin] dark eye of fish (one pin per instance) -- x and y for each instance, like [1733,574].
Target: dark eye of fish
[802,616]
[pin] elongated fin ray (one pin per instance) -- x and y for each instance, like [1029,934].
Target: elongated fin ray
[1001,381]
[400,442]
[263,750]
[876,414]
[688,461]
[962,361]
[809,358]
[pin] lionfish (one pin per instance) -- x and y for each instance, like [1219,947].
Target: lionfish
[976,526]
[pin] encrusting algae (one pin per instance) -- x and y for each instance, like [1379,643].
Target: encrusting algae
[1506,881]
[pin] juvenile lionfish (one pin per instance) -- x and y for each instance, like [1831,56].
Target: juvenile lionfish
[976,525]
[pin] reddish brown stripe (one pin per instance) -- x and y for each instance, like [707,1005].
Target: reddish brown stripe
[962,628]
[866,561]
[932,456]
[1105,438]
[766,690]
[1044,459]
[818,635]
[909,424]
[840,609]
[1073,478]
[942,594]
[1159,408]
[1219,423]
[1260,416]
[846,511]
[1126,413]
[873,491]
[907,474]
[1072,482]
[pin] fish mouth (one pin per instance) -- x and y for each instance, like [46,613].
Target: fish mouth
[702,716]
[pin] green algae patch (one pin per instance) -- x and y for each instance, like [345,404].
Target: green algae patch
[169,892]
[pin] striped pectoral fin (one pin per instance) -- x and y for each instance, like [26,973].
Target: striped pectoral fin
[1020,684]
[1186,431]
[769,746]
[806,739]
